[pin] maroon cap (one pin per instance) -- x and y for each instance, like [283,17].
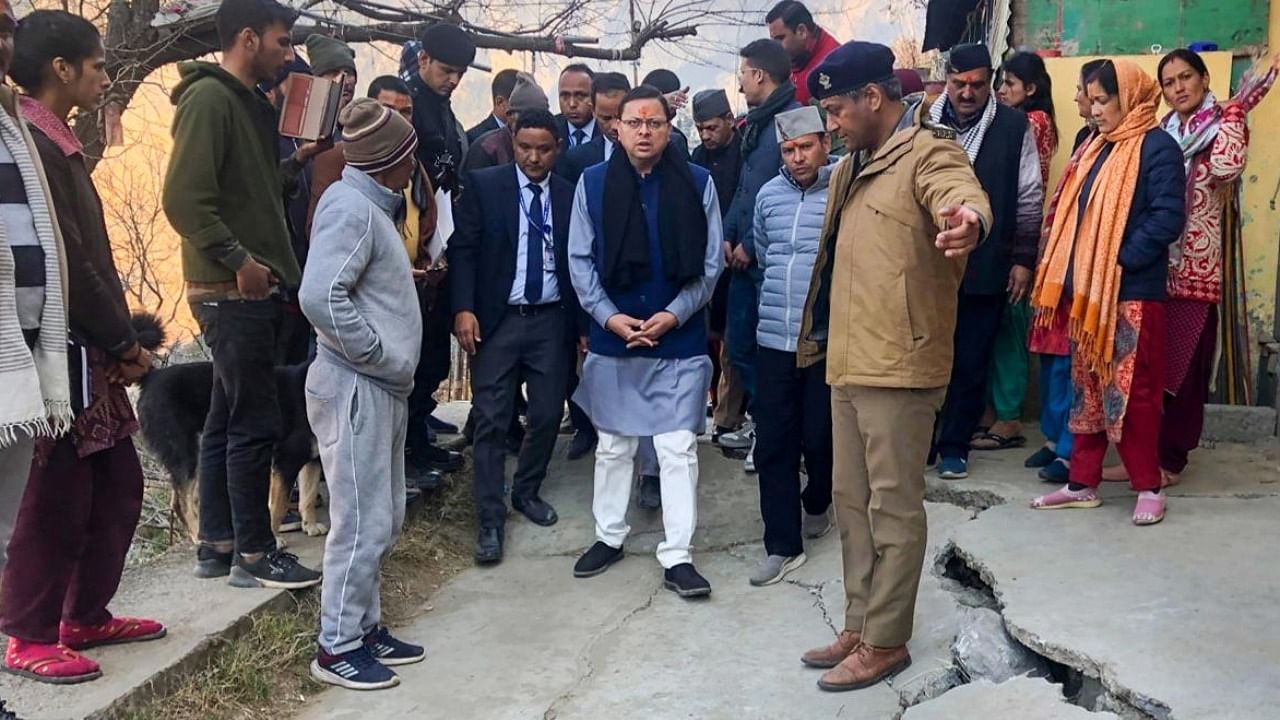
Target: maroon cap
[910,81]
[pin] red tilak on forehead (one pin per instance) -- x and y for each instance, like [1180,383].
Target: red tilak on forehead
[650,109]
[971,78]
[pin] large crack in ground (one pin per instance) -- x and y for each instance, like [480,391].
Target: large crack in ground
[586,658]
[1085,682]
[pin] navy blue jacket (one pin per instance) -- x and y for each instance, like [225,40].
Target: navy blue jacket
[1156,217]
[759,166]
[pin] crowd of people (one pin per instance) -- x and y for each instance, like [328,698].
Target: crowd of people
[852,318]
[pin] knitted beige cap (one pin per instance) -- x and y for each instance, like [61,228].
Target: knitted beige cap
[375,138]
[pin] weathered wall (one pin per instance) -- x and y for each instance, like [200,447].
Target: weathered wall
[1131,27]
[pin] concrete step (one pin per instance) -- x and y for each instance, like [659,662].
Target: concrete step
[199,614]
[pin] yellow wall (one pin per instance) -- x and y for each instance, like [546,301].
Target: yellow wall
[1261,177]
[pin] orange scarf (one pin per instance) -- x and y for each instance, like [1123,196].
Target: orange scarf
[1093,241]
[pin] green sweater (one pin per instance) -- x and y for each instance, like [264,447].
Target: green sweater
[223,192]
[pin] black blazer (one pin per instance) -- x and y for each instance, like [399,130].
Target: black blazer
[572,163]
[482,251]
[484,126]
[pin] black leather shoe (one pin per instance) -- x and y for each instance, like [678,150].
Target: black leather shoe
[440,426]
[583,444]
[596,560]
[437,458]
[489,546]
[650,497]
[684,580]
[422,478]
[538,511]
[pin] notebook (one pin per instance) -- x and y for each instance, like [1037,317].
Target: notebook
[310,107]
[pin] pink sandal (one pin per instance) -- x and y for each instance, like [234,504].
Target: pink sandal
[1065,497]
[115,631]
[1149,509]
[56,664]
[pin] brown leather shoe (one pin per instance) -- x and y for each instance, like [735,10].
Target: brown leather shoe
[865,667]
[831,655]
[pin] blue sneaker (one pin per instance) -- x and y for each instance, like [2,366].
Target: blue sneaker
[953,468]
[354,670]
[390,651]
[1055,472]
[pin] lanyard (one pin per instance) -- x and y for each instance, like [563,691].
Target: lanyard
[545,225]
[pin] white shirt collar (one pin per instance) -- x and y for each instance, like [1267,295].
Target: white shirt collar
[523,181]
[498,120]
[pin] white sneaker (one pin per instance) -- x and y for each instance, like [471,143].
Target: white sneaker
[740,439]
[750,464]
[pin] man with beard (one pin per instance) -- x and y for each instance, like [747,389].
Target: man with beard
[764,77]
[791,25]
[576,119]
[222,195]
[721,154]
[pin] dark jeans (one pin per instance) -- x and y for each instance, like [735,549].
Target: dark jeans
[243,423]
[68,550]
[743,317]
[531,348]
[977,324]
[297,342]
[793,419]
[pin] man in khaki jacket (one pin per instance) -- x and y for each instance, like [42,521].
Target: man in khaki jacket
[904,209]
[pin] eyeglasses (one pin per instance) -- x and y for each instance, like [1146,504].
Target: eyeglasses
[653,124]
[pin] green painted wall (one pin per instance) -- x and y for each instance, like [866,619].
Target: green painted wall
[1130,27]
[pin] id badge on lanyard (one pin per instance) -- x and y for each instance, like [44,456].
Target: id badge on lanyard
[548,243]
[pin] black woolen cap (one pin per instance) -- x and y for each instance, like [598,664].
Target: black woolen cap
[449,44]
[850,67]
[973,56]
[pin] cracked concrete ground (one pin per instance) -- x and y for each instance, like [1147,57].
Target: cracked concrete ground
[1177,621]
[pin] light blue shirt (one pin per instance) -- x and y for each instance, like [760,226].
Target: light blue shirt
[550,286]
[609,145]
[589,129]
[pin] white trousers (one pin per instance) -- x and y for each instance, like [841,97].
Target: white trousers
[678,468]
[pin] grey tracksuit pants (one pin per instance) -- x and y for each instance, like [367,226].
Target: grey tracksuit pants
[15,468]
[360,429]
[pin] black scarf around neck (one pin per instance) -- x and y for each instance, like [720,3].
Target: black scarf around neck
[682,223]
[760,119]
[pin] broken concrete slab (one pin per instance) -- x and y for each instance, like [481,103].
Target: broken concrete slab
[1178,620]
[1017,699]
[984,651]
[198,615]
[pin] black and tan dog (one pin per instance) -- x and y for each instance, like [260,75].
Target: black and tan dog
[172,407]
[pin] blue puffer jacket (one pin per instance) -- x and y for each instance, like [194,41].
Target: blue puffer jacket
[787,232]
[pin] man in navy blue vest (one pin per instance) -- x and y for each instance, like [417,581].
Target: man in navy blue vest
[644,253]
[1002,149]
[516,312]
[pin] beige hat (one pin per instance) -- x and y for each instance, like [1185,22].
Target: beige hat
[375,138]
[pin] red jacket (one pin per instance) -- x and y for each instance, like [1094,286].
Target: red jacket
[800,76]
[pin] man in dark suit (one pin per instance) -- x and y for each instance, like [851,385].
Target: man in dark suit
[503,83]
[576,119]
[516,312]
[607,91]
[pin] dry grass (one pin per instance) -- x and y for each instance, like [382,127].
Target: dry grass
[264,673]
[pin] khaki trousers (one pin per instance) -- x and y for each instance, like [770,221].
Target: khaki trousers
[729,395]
[881,438]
